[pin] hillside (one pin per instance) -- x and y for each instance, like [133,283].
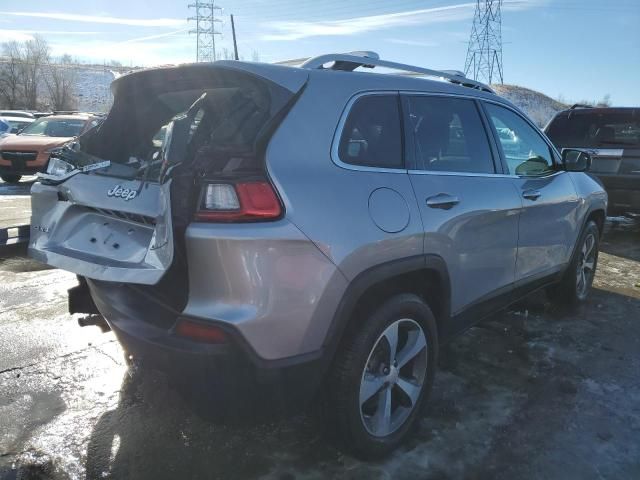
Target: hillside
[535,104]
[92,90]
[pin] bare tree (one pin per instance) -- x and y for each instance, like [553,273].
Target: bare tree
[60,79]
[10,75]
[35,56]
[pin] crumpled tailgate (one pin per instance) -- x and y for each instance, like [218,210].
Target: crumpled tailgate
[95,226]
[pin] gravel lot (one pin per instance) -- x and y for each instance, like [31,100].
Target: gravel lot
[529,393]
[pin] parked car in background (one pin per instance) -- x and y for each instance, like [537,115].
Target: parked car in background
[320,229]
[28,152]
[16,113]
[16,124]
[5,128]
[612,136]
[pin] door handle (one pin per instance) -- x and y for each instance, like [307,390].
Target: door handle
[443,201]
[531,194]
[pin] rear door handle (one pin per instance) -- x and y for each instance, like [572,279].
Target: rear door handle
[531,194]
[443,201]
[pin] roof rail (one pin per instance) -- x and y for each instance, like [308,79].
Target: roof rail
[579,105]
[293,62]
[351,61]
[65,112]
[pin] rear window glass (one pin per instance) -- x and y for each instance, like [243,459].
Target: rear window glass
[372,136]
[204,118]
[578,129]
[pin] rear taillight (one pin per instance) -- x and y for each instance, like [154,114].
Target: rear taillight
[233,202]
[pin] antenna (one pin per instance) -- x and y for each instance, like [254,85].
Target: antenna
[484,55]
[205,18]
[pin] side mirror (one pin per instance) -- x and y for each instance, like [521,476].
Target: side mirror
[576,160]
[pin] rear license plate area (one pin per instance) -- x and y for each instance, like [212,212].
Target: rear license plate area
[112,238]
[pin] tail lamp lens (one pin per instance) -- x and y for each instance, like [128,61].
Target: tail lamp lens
[200,332]
[220,196]
[237,202]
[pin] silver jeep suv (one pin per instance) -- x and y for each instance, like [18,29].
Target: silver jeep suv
[313,226]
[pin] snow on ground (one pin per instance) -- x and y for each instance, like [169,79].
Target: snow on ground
[92,88]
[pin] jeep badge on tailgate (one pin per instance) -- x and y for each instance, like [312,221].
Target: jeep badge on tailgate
[126,193]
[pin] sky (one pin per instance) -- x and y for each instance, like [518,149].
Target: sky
[573,49]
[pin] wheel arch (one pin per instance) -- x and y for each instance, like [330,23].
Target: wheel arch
[597,215]
[425,275]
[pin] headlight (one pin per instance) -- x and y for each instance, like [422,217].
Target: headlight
[58,167]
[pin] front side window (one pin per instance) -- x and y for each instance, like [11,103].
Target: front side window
[526,152]
[372,135]
[446,134]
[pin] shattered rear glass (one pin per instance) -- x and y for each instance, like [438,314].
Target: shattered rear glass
[205,118]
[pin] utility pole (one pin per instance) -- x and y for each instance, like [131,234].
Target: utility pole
[484,55]
[205,18]
[235,45]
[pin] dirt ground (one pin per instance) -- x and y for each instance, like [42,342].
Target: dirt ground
[530,393]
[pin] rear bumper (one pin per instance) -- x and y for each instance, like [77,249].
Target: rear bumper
[623,191]
[149,339]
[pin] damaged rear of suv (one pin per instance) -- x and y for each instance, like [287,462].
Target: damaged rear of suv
[169,217]
[320,229]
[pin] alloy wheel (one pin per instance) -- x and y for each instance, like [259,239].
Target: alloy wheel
[393,377]
[586,266]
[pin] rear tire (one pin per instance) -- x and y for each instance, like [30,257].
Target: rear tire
[377,391]
[576,283]
[9,178]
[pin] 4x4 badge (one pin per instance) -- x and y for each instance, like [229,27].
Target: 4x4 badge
[126,193]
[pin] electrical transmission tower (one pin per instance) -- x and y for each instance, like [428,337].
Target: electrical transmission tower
[484,55]
[206,21]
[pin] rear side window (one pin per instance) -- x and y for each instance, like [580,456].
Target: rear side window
[372,135]
[446,134]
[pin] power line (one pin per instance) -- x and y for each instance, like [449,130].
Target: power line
[484,55]
[206,21]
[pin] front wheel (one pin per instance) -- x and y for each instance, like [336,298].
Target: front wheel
[577,280]
[382,376]
[10,178]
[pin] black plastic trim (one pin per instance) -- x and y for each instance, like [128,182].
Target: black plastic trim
[496,301]
[367,279]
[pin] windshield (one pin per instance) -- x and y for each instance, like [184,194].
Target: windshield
[596,129]
[55,127]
